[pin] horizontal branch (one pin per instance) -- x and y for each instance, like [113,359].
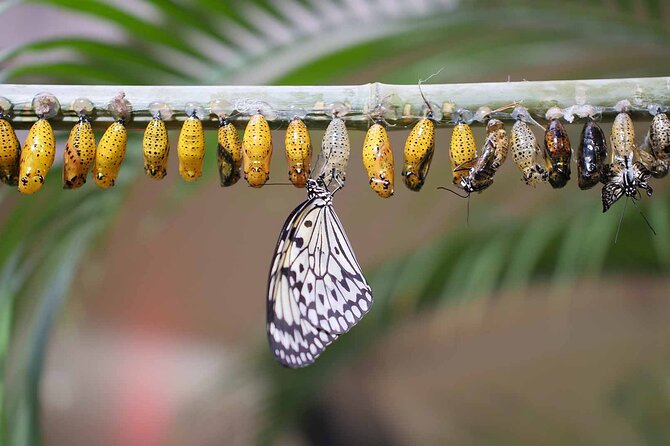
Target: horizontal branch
[403,103]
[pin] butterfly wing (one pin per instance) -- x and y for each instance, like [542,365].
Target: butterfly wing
[340,293]
[316,290]
[611,193]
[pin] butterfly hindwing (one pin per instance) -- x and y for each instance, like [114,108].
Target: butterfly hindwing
[612,192]
[341,294]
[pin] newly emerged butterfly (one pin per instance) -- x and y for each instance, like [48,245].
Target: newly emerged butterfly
[316,289]
[626,177]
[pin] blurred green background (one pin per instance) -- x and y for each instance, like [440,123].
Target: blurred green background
[136,315]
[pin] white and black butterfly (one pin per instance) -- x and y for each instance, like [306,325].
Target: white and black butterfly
[316,289]
[624,177]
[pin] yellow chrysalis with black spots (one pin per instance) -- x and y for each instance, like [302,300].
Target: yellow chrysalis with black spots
[298,152]
[156,149]
[229,153]
[79,154]
[37,156]
[378,160]
[257,151]
[419,149]
[462,150]
[191,148]
[10,153]
[110,154]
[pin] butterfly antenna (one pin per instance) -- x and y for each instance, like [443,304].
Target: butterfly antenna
[467,214]
[644,217]
[623,211]
[454,192]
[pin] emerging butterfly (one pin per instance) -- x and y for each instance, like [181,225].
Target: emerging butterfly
[316,289]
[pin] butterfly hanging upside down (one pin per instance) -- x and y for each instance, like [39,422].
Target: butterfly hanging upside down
[316,289]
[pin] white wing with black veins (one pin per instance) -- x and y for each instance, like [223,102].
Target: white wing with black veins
[316,289]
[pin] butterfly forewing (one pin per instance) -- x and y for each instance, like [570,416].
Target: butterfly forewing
[316,290]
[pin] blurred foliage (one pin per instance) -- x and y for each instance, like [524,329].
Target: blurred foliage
[644,400]
[209,41]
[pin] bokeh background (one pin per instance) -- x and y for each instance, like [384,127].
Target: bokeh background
[136,315]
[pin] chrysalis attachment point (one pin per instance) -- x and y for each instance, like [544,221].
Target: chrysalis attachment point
[45,105]
[161,110]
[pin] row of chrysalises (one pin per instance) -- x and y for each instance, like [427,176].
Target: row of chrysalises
[627,168]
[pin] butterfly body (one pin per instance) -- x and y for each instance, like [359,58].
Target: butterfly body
[316,289]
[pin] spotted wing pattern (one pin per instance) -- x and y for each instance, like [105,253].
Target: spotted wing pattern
[316,290]
[611,193]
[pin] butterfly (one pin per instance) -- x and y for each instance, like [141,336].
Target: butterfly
[316,289]
[625,177]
